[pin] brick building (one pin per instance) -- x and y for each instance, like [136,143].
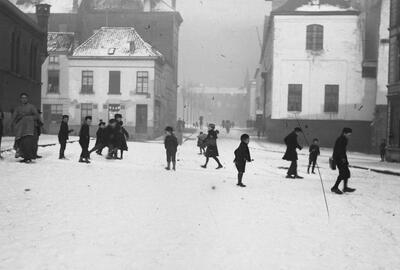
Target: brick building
[22,52]
[394,84]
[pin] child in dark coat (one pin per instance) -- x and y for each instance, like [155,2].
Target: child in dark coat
[314,153]
[100,139]
[201,142]
[212,148]
[171,147]
[242,155]
[84,138]
[123,135]
[111,139]
[63,135]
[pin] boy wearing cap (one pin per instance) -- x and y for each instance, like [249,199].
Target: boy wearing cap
[342,163]
[242,155]
[171,147]
[63,135]
[84,138]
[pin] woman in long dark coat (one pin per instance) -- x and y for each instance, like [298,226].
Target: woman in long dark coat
[212,148]
[24,118]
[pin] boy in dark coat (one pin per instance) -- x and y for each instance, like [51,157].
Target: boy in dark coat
[342,163]
[212,148]
[84,138]
[291,153]
[171,147]
[314,153]
[63,135]
[100,139]
[242,155]
[123,135]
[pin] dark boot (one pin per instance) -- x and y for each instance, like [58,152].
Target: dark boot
[168,166]
[174,165]
[335,188]
[308,169]
[346,188]
[240,178]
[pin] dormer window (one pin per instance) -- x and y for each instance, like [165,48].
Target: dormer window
[314,2]
[111,51]
[315,37]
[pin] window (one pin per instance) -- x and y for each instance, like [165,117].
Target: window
[294,97]
[315,37]
[54,59]
[114,83]
[56,113]
[331,98]
[87,82]
[53,81]
[33,62]
[142,82]
[86,110]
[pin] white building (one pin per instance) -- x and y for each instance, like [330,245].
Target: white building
[314,70]
[115,71]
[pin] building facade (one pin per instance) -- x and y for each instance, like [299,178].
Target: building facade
[114,71]
[309,76]
[393,133]
[157,22]
[22,51]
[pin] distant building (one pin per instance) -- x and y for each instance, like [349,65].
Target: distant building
[394,84]
[319,68]
[114,71]
[55,79]
[22,52]
[157,22]
[215,104]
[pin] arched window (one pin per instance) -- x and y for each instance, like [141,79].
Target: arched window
[315,37]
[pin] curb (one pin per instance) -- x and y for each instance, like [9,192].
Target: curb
[387,172]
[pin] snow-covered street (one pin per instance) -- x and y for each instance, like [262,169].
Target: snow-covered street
[133,214]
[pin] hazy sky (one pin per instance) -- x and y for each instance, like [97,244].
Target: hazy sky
[218,40]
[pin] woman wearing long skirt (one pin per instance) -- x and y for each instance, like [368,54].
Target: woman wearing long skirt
[24,118]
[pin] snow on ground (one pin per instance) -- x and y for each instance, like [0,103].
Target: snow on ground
[132,214]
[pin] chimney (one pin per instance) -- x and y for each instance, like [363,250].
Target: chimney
[43,14]
[174,4]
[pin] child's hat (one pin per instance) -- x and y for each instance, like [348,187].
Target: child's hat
[169,129]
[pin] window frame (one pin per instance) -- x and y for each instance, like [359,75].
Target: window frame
[315,37]
[56,113]
[110,92]
[329,106]
[48,81]
[142,82]
[294,105]
[56,60]
[87,82]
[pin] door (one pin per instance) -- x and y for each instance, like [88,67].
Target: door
[141,118]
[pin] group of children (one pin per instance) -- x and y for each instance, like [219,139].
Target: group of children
[113,136]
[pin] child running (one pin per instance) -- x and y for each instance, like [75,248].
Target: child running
[171,147]
[314,153]
[100,139]
[212,148]
[242,155]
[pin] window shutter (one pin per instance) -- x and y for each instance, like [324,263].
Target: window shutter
[114,82]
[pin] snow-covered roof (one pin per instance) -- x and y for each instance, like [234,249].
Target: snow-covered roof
[293,6]
[116,42]
[60,42]
[57,6]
